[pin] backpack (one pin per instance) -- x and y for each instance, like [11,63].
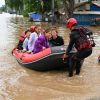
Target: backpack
[85,39]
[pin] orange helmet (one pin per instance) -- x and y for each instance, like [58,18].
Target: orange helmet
[71,22]
[32,28]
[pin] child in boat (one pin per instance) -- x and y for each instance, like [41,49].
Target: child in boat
[33,37]
[25,43]
[56,40]
[42,42]
[21,39]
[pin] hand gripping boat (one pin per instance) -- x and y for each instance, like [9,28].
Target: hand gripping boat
[48,59]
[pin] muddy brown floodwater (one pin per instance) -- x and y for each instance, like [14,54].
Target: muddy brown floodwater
[19,83]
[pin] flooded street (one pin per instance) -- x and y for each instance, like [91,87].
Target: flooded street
[19,83]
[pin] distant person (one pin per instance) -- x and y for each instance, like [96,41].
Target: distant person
[56,40]
[57,16]
[82,44]
[42,42]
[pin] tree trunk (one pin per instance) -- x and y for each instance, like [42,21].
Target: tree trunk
[69,7]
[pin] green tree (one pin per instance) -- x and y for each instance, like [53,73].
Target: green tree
[2,9]
[31,6]
[27,6]
[47,5]
[15,5]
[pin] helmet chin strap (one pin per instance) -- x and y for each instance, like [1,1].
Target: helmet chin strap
[72,28]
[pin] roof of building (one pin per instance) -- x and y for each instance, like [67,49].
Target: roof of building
[88,12]
[97,3]
[81,4]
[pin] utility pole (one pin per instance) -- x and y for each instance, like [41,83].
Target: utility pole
[53,10]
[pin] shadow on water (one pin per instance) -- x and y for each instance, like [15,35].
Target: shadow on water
[19,83]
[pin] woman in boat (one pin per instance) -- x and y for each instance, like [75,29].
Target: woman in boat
[56,40]
[42,42]
[33,37]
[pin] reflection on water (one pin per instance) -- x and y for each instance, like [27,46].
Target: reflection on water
[19,83]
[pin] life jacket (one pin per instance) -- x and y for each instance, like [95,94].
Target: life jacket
[85,39]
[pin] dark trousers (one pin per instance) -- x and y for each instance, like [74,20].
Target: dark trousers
[77,59]
[20,45]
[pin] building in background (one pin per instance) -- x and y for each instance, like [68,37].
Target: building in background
[80,1]
[88,13]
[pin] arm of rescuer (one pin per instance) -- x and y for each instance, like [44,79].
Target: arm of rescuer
[70,46]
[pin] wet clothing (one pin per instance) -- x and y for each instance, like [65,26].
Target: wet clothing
[56,42]
[33,37]
[76,59]
[74,36]
[40,43]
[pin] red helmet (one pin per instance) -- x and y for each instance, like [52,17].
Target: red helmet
[32,28]
[71,22]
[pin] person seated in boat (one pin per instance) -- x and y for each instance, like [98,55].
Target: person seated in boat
[25,43]
[56,40]
[42,42]
[33,37]
[21,39]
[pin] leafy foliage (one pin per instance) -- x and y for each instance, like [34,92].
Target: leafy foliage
[26,6]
